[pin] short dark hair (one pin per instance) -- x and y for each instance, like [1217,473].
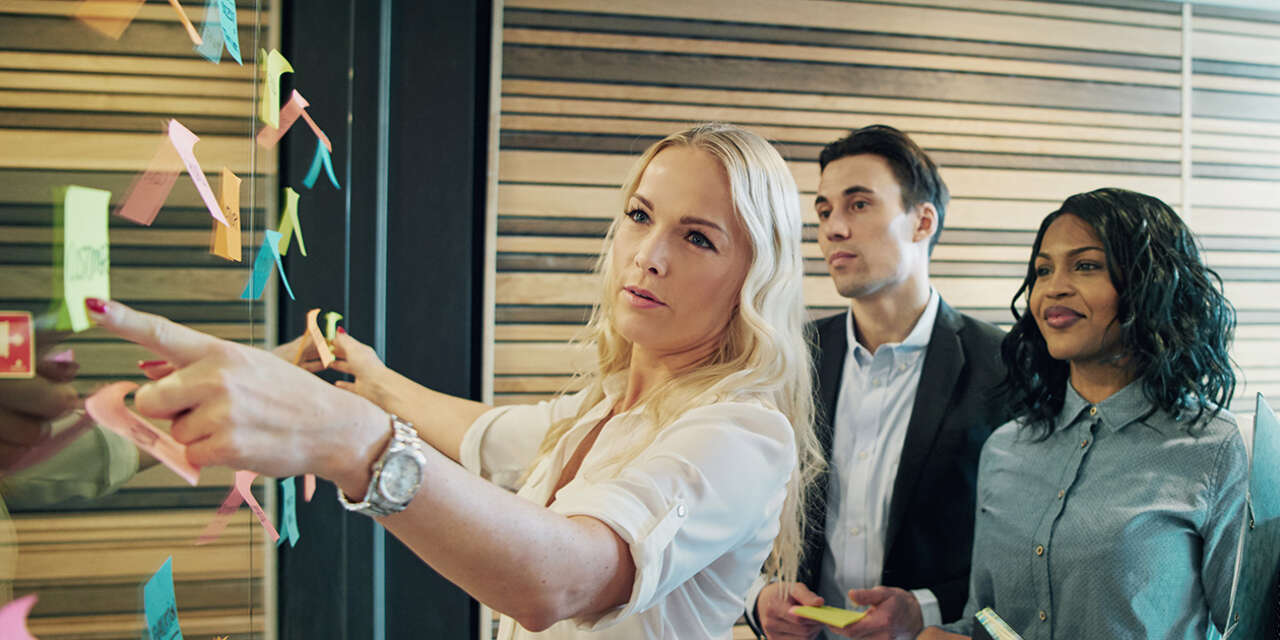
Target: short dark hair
[916,173]
[1175,323]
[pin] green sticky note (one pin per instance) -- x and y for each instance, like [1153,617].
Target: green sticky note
[833,616]
[331,325]
[83,258]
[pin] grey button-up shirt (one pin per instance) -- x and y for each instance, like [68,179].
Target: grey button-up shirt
[1110,528]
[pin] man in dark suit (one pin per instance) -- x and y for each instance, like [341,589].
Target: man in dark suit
[905,402]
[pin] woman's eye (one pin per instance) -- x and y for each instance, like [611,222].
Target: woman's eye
[700,240]
[1042,271]
[1088,266]
[638,215]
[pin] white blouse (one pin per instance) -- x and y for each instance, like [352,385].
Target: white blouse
[699,507]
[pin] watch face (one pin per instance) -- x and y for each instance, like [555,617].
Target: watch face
[400,478]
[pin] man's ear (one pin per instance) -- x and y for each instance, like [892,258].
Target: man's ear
[926,221]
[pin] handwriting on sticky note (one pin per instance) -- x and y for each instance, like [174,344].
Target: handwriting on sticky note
[241,492]
[289,225]
[13,618]
[321,158]
[262,267]
[184,142]
[86,261]
[288,513]
[274,65]
[833,616]
[151,188]
[231,29]
[161,605]
[108,17]
[226,237]
[107,407]
[317,340]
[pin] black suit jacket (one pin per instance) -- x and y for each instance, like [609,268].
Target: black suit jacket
[930,529]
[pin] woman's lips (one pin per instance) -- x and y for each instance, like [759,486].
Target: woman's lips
[1061,317]
[642,298]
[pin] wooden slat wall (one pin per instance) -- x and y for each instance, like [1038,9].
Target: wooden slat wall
[1022,104]
[79,108]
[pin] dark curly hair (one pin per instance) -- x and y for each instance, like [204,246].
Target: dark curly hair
[1176,324]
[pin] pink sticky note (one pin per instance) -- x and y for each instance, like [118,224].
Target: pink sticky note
[66,357]
[185,141]
[50,446]
[13,619]
[289,114]
[151,188]
[241,492]
[308,486]
[107,407]
[244,484]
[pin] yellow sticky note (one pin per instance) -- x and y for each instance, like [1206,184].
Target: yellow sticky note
[289,226]
[331,325]
[833,616]
[86,262]
[226,237]
[274,65]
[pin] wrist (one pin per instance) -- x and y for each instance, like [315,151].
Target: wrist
[364,441]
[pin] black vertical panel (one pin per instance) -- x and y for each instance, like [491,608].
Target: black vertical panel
[438,114]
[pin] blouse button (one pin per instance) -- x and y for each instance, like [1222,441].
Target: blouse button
[1084,443]
[1093,411]
[1043,616]
[680,510]
[1061,493]
[1039,549]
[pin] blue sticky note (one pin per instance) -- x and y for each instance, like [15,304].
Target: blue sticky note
[211,33]
[288,513]
[321,157]
[160,604]
[262,268]
[231,29]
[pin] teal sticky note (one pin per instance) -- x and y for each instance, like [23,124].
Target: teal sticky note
[322,157]
[211,33]
[161,605]
[231,30]
[262,267]
[288,513]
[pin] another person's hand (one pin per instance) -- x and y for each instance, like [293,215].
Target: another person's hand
[244,408]
[894,615]
[934,633]
[360,361]
[27,407]
[773,609]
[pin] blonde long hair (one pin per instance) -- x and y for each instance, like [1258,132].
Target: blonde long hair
[764,352]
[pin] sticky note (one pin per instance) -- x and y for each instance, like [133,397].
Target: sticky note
[242,491]
[833,616]
[231,29]
[161,605]
[211,32]
[184,142]
[107,407]
[331,325]
[151,188]
[85,253]
[65,356]
[17,345]
[13,618]
[262,268]
[289,225]
[274,65]
[226,237]
[108,17]
[308,486]
[322,347]
[321,158]
[186,23]
[295,108]
[288,513]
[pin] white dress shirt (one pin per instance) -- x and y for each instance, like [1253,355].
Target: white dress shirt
[699,506]
[873,408]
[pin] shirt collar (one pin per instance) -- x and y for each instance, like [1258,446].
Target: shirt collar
[918,339]
[1118,411]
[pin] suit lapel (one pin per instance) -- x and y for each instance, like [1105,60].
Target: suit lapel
[832,346]
[943,362]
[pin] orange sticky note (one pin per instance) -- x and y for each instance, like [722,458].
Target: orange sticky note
[108,17]
[273,65]
[107,407]
[317,339]
[293,109]
[241,492]
[186,23]
[226,237]
[289,225]
[13,618]
[151,188]
[185,142]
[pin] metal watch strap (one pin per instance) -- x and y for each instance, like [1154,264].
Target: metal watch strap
[402,435]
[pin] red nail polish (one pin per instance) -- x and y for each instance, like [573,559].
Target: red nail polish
[143,364]
[341,330]
[95,305]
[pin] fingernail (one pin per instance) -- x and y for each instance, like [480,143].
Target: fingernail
[143,364]
[341,330]
[96,305]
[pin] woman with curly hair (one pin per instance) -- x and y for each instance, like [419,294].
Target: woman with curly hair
[1112,506]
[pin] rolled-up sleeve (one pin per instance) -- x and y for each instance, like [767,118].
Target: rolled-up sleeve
[710,481]
[502,442]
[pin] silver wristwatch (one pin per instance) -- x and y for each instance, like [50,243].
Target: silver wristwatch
[397,474]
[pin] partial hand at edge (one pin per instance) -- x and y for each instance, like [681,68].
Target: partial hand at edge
[773,609]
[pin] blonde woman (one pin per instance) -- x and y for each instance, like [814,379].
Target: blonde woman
[648,501]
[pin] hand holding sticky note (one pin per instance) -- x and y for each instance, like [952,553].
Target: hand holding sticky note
[831,616]
[107,407]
